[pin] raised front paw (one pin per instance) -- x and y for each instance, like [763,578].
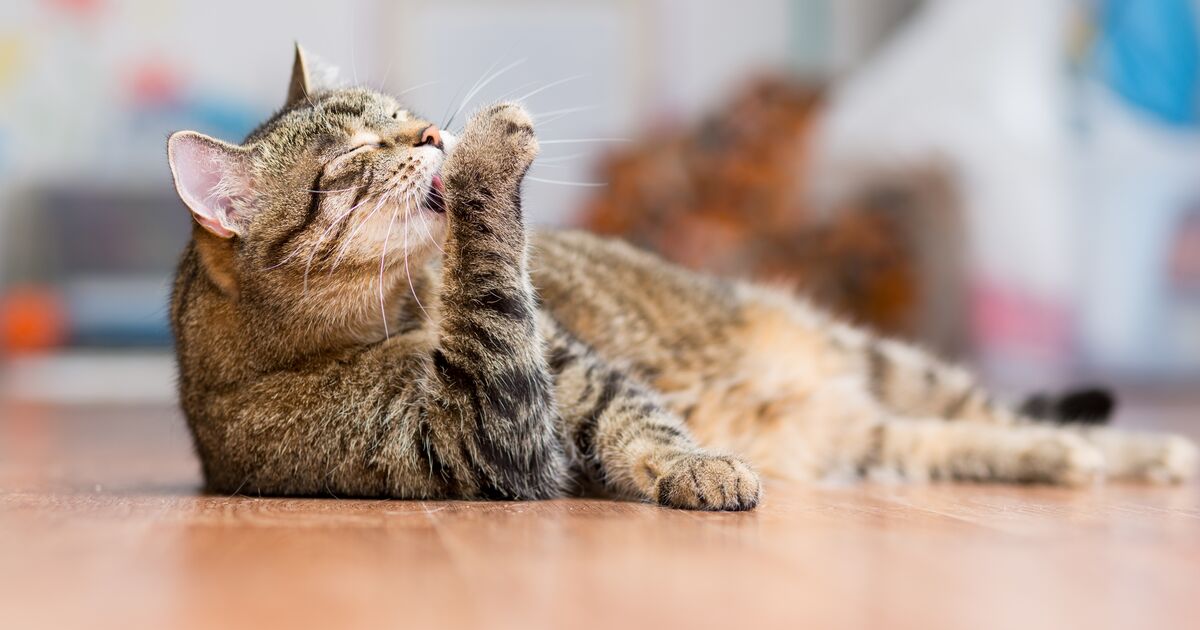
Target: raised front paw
[495,149]
[709,482]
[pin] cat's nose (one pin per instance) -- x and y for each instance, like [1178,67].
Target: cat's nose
[431,135]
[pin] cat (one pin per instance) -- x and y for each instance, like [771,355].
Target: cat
[361,311]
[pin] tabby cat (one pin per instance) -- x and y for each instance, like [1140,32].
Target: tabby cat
[361,311]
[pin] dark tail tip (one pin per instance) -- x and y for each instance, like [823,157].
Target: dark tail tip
[1090,405]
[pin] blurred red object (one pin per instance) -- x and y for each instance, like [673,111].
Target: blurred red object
[85,9]
[32,319]
[153,82]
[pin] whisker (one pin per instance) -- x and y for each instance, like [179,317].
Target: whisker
[548,117]
[316,246]
[476,90]
[408,273]
[484,75]
[459,91]
[417,87]
[566,183]
[446,113]
[524,86]
[578,140]
[565,110]
[387,72]
[318,110]
[382,266]
[429,232]
[296,251]
[350,239]
[344,215]
[329,192]
[561,158]
[549,85]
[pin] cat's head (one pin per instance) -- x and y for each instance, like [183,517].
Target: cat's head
[339,178]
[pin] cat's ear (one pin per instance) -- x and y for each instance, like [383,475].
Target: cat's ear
[209,176]
[310,74]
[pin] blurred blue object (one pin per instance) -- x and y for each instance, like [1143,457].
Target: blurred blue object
[1139,192]
[1149,53]
[111,252]
[221,117]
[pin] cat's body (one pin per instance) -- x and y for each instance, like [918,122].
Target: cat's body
[516,366]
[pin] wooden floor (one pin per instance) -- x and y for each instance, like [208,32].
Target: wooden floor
[101,527]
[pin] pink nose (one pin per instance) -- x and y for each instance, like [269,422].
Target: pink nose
[431,135]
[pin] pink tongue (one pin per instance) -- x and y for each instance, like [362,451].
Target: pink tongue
[438,185]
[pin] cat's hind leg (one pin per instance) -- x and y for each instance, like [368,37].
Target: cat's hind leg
[907,381]
[1143,455]
[624,438]
[838,429]
[935,449]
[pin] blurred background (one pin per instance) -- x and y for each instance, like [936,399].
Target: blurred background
[1014,182]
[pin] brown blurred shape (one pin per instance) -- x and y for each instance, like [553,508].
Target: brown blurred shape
[731,196]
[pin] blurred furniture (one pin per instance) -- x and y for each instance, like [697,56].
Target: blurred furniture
[91,262]
[731,196]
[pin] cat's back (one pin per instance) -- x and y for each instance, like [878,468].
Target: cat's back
[628,303]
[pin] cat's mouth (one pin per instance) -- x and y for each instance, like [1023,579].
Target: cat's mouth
[435,199]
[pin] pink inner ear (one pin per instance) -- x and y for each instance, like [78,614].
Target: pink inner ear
[214,226]
[203,169]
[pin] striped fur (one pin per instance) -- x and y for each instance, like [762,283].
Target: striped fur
[482,361]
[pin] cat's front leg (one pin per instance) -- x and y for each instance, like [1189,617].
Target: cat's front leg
[490,379]
[625,439]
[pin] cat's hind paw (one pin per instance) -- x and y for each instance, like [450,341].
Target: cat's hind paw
[1176,461]
[1147,457]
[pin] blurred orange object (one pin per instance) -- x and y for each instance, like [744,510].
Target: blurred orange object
[31,319]
[730,195]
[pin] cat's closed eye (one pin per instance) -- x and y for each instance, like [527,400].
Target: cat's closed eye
[363,140]
[358,147]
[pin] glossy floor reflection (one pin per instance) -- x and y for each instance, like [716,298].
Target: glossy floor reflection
[101,527]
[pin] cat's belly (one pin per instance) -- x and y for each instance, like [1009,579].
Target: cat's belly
[751,370]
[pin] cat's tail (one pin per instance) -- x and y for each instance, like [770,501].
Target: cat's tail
[1085,405]
[911,382]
